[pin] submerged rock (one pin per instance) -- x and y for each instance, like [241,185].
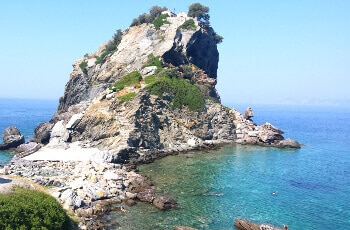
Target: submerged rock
[248,225]
[164,202]
[147,195]
[184,228]
[288,143]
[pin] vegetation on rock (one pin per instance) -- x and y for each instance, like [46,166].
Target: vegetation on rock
[30,209]
[131,79]
[83,66]
[188,25]
[154,61]
[111,46]
[176,83]
[201,12]
[183,92]
[154,12]
[127,97]
[218,38]
[186,71]
[160,20]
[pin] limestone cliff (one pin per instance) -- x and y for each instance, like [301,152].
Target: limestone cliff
[135,123]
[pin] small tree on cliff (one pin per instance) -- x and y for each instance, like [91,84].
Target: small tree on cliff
[155,11]
[200,12]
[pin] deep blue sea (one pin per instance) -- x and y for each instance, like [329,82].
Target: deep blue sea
[25,114]
[312,184]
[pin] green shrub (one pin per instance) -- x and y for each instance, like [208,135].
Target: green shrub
[187,71]
[98,60]
[128,80]
[170,73]
[188,25]
[30,209]
[111,47]
[150,79]
[154,61]
[160,20]
[127,97]
[185,94]
[83,66]
[218,38]
[154,12]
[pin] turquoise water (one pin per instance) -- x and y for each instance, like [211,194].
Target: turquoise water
[312,183]
[25,115]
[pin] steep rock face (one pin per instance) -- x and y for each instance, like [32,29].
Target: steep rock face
[147,126]
[176,47]
[202,51]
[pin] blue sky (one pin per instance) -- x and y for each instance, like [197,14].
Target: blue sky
[273,51]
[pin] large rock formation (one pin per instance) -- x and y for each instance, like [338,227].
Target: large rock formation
[150,125]
[11,138]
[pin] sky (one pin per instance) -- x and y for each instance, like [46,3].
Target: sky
[273,52]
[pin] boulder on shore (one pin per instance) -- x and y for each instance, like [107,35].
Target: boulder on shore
[26,149]
[42,133]
[12,138]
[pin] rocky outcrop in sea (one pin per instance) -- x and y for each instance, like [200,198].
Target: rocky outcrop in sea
[136,121]
[147,93]
[12,138]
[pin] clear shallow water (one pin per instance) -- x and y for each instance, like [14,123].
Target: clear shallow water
[25,115]
[312,184]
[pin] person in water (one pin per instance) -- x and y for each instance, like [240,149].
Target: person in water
[285,227]
[122,208]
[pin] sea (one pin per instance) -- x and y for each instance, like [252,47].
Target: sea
[307,188]
[25,114]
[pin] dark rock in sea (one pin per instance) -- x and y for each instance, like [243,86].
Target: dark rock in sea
[248,225]
[164,203]
[138,183]
[147,195]
[248,113]
[130,202]
[93,224]
[12,138]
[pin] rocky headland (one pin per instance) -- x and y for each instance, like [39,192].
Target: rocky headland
[146,93]
[133,103]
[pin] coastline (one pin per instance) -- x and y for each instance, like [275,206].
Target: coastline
[85,183]
[79,179]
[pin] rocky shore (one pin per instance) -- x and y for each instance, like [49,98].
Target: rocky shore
[90,189]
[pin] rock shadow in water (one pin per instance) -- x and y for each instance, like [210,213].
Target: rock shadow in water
[310,185]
